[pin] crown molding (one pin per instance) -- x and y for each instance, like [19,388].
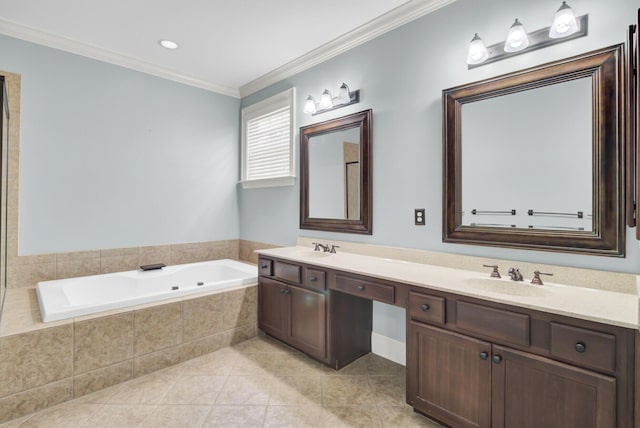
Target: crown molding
[391,20]
[40,37]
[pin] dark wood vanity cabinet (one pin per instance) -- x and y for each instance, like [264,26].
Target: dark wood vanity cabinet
[490,365]
[291,309]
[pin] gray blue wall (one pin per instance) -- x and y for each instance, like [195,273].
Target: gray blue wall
[401,75]
[111,157]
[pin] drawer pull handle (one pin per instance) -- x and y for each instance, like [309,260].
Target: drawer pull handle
[264,266]
[313,279]
[360,287]
[484,355]
[424,307]
[581,347]
[497,359]
[287,291]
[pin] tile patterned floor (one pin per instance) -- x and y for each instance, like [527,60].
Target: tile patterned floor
[258,383]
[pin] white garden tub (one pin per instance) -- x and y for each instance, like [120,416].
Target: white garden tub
[68,298]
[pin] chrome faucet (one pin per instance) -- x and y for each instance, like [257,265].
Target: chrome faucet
[318,245]
[514,274]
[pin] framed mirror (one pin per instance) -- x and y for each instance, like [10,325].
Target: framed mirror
[534,159]
[336,176]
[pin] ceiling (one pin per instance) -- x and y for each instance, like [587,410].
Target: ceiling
[234,47]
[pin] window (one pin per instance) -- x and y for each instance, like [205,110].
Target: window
[267,142]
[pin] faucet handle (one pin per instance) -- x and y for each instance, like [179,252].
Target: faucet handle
[317,246]
[536,280]
[333,248]
[494,273]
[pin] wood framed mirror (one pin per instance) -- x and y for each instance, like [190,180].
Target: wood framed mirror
[336,175]
[535,159]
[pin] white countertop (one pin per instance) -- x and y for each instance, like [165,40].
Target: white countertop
[606,307]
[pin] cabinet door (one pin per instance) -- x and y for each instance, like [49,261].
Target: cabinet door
[273,307]
[531,391]
[449,376]
[307,322]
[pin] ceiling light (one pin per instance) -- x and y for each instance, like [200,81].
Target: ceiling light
[168,44]
[564,22]
[517,39]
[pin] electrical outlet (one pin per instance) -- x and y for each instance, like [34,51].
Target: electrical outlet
[419,217]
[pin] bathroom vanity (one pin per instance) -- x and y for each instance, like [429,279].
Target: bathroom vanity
[481,352]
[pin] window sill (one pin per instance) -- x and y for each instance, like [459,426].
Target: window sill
[269,182]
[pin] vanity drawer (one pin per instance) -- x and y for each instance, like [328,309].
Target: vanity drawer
[286,271]
[314,279]
[497,324]
[366,288]
[426,308]
[583,347]
[265,267]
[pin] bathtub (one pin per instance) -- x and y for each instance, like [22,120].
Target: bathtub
[68,298]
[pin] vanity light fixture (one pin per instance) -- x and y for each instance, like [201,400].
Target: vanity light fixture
[517,39]
[328,102]
[477,51]
[565,27]
[564,22]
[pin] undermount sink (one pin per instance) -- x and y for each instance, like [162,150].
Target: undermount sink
[505,286]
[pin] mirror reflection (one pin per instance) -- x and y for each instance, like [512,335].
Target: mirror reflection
[527,159]
[533,159]
[334,175]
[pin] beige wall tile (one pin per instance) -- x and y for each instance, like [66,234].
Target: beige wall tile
[119,252]
[233,249]
[34,359]
[240,307]
[190,253]
[240,334]
[154,254]
[148,363]
[119,263]
[78,255]
[205,345]
[247,248]
[30,275]
[31,260]
[78,267]
[96,380]
[12,240]
[202,316]
[20,404]
[157,328]
[102,342]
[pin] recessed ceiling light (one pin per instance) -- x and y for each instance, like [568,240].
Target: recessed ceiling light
[168,44]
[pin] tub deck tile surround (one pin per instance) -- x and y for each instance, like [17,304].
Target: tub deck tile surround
[216,390]
[70,358]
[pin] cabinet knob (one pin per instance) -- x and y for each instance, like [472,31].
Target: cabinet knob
[282,290]
[581,347]
[264,266]
[313,279]
[360,287]
[484,355]
[424,307]
[287,291]
[497,359]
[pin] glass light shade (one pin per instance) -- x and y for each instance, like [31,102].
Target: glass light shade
[310,105]
[564,22]
[517,39]
[325,100]
[344,96]
[477,51]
